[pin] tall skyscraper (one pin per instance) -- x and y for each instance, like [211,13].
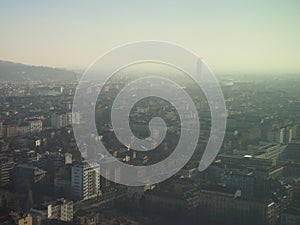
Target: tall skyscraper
[6,164]
[1,129]
[85,180]
[282,136]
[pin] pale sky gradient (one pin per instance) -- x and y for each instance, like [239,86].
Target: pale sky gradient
[251,36]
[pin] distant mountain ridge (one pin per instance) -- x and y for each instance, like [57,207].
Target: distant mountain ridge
[11,71]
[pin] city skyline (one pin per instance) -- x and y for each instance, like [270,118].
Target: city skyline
[191,115]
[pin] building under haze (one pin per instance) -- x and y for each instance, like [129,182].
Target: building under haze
[61,209]
[6,164]
[85,180]
[224,204]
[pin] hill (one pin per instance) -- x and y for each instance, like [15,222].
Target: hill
[10,71]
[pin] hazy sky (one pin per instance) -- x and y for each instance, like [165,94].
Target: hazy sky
[259,36]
